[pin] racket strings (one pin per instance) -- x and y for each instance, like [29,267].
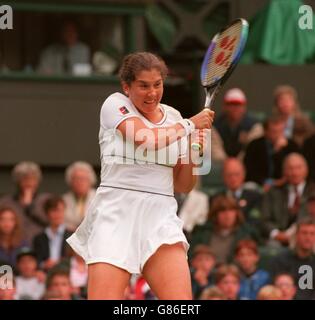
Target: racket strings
[219,61]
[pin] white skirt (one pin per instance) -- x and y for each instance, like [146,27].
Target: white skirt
[125,228]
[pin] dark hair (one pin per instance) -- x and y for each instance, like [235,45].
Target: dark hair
[223,203]
[52,203]
[248,244]
[305,221]
[272,120]
[136,62]
[57,271]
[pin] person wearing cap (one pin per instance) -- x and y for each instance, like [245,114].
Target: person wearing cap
[235,127]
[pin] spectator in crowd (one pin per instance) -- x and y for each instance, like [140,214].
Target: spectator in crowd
[50,245]
[291,260]
[80,178]
[269,292]
[310,211]
[309,154]
[30,282]
[202,265]
[194,210]
[298,127]
[227,279]
[286,283]
[78,272]
[64,56]
[282,206]
[11,240]
[27,201]
[264,156]
[212,293]
[223,229]
[252,278]
[235,127]
[58,286]
[249,200]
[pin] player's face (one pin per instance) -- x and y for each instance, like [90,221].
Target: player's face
[146,91]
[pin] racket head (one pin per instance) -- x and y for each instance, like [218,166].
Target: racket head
[223,53]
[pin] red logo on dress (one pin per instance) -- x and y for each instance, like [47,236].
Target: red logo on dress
[123,110]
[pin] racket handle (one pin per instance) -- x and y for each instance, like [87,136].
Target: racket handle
[196,146]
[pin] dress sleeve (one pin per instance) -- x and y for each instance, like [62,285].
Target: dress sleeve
[116,109]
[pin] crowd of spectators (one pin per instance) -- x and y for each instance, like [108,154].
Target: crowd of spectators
[248,239]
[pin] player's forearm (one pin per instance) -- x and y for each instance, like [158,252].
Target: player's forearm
[184,180]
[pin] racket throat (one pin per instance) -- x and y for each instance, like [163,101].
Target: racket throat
[211,97]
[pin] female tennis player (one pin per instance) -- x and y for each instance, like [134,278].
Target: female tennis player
[131,225]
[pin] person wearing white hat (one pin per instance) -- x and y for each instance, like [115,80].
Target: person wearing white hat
[234,127]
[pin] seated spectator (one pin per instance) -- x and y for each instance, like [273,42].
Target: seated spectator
[194,210]
[66,54]
[252,278]
[283,206]
[11,240]
[50,245]
[81,178]
[309,154]
[223,229]
[298,127]
[30,282]
[78,272]
[58,286]
[212,293]
[235,127]
[27,201]
[264,156]
[227,279]
[202,265]
[285,282]
[248,200]
[310,211]
[291,260]
[269,292]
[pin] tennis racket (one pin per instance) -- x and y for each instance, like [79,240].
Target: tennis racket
[221,58]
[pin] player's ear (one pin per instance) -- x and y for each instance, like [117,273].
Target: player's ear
[125,88]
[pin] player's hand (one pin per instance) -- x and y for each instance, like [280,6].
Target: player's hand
[200,137]
[204,119]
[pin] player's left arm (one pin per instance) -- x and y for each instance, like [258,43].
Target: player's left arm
[183,177]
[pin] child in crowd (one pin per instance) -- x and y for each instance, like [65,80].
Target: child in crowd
[202,264]
[252,278]
[286,283]
[30,281]
[227,279]
[269,292]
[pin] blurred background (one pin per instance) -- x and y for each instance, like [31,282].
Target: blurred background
[50,116]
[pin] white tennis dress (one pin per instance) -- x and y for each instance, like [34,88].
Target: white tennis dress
[134,210]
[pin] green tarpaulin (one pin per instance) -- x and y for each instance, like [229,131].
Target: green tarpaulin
[275,35]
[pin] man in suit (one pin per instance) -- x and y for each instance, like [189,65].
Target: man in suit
[282,206]
[264,156]
[249,200]
[302,255]
[50,245]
